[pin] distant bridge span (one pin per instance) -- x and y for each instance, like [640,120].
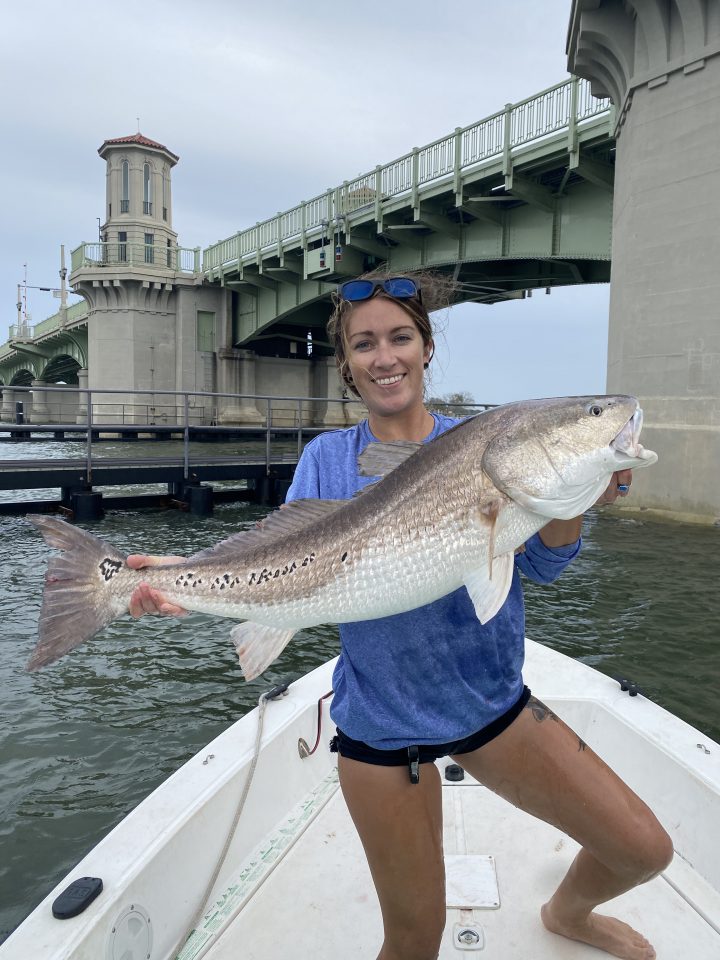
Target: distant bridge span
[518,201]
[521,200]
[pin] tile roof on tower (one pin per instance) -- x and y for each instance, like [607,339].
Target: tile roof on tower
[140,140]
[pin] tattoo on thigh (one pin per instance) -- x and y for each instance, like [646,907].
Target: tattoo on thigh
[539,711]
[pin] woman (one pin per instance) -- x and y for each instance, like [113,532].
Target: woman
[397,710]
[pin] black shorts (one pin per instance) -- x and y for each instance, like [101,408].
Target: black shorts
[427,752]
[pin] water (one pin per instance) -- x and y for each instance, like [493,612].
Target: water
[82,742]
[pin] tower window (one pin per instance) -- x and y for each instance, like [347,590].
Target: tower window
[169,253]
[122,246]
[125,187]
[147,189]
[149,249]
[165,192]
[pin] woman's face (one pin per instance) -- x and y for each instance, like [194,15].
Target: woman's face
[386,354]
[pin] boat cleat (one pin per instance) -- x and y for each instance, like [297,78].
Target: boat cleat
[468,936]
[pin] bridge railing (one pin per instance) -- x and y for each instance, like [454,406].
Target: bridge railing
[177,259]
[561,107]
[177,412]
[21,331]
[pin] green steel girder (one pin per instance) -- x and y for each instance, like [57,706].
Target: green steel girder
[530,191]
[31,350]
[595,171]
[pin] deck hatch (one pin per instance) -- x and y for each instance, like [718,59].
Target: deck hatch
[471,882]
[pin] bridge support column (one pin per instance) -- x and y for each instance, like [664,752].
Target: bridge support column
[82,397]
[7,410]
[236,374]
[335,412]
[40,410]
[660,63]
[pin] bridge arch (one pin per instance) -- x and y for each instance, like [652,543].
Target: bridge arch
[62,368]
[22,376]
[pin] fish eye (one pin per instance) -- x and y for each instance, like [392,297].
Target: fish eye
[595,410]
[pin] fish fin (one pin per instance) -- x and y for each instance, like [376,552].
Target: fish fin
[574,504]
[73,605]
[258,645]
[379,459]
[489,513]
[293,516]
[488,595]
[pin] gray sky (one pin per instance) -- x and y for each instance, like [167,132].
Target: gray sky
[267,105]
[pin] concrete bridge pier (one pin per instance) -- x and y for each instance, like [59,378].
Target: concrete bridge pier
[81,416]
[236,373]
[659,62]
[334,412]
[40,410]
[7,410]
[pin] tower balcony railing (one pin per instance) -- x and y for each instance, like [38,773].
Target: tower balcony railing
[567,106]
[21,331]
[100,255]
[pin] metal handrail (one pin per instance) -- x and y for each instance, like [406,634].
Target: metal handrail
[127,254]
[92,426]
[562,106]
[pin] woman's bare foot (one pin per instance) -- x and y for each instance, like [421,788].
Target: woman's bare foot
[606,933]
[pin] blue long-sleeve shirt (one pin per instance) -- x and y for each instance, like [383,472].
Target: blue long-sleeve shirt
[434,674]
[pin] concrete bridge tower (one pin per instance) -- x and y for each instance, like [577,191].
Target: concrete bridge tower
[152,322]
[659,62]
[138,199]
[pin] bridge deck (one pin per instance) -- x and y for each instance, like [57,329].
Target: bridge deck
[121,471]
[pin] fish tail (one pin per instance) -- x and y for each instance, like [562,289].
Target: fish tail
[74,605]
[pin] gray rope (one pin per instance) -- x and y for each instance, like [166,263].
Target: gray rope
[262,705]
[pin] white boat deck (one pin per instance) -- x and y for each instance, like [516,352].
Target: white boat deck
[295,882]
[322,902]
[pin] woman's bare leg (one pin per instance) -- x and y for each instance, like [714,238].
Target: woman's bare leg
[541,766]
[400,826]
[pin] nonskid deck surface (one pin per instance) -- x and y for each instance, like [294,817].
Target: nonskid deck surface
[319,902]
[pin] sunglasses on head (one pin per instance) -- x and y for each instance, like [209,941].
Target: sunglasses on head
[400,288]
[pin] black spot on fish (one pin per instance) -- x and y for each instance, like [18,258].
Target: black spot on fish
[226,577]
[108,568]
[343,558]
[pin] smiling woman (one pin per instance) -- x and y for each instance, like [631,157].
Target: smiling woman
[390,725]
[384,342]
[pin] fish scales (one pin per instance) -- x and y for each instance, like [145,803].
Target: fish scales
[442,514]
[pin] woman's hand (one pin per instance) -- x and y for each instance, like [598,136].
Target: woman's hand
[147,600]
[619,486]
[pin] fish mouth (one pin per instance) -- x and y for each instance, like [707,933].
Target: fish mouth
[626,444]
